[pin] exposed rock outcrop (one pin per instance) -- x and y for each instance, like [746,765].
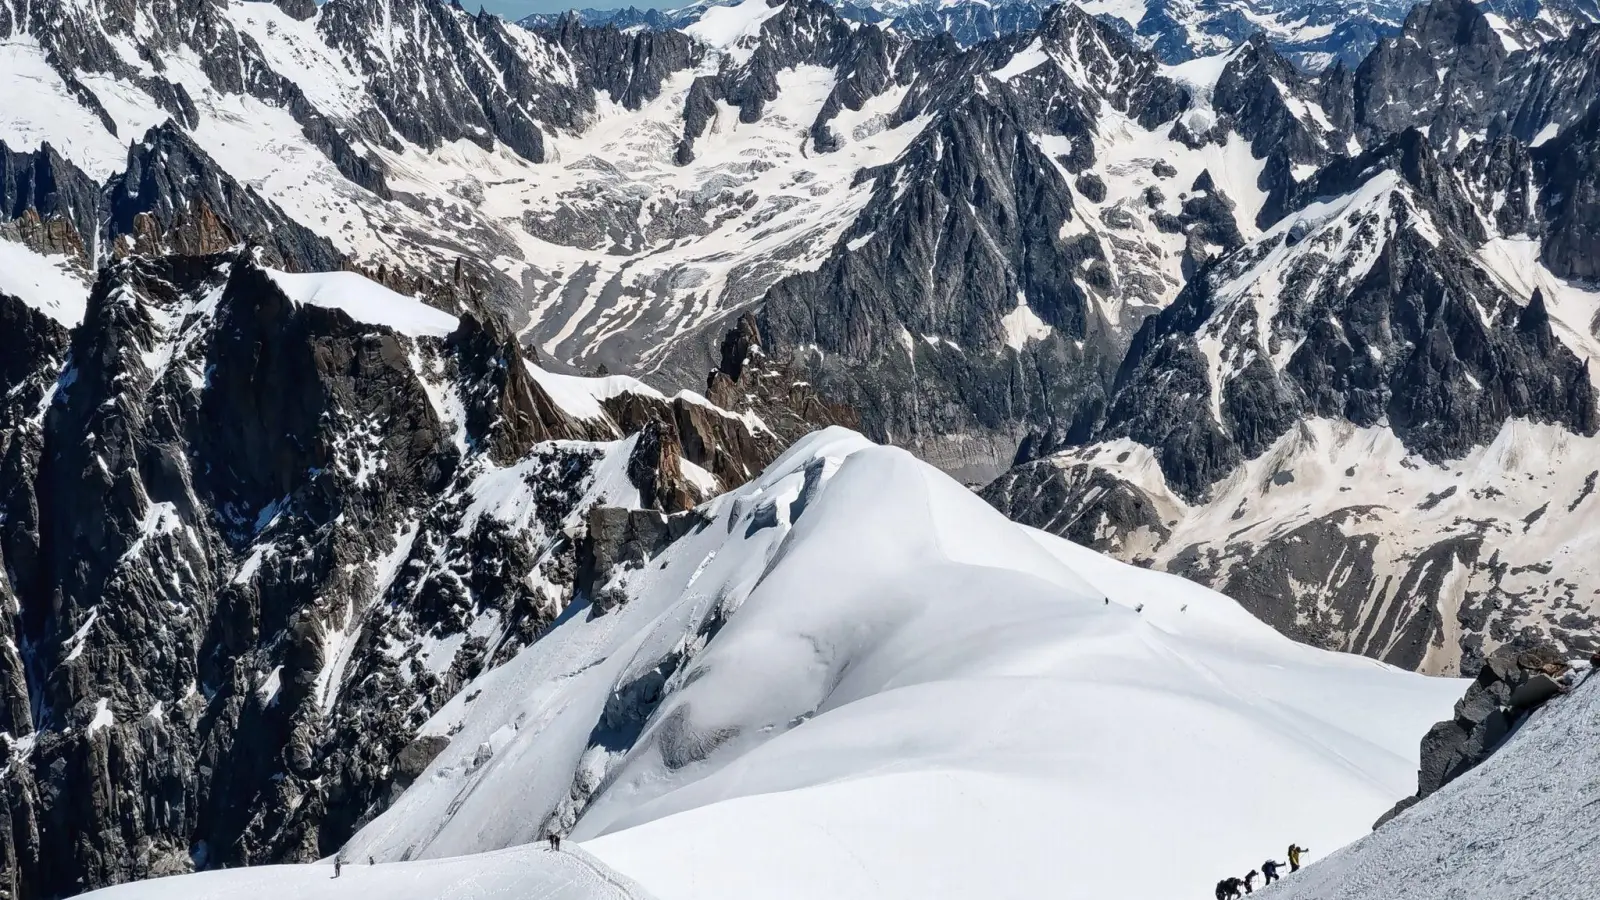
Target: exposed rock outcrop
[1513,682]
[253,542]
[173,198]
[47,203]
[619,540]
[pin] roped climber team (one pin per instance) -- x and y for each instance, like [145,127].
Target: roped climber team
[1233,888]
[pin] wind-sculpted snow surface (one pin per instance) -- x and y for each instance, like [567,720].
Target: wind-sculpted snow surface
[854,679]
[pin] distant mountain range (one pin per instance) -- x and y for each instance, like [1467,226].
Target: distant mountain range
[354,349]
[1312,34]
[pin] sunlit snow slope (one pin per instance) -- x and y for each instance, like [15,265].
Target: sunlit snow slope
[527,873]
[855,679]
[1520,825]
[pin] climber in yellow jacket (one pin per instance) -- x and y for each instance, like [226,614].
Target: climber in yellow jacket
[1294,856]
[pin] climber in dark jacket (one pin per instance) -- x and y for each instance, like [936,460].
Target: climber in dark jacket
[1249,878]
[1294,856]
[1269,870]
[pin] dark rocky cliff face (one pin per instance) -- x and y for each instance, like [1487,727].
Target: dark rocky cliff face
[173,198]
[250,544]
[496,87]
[987,249]
[47,203]
[1570,201]
[960,307]
[1402,342]
[628,67]
[1449,74]
[1513,683]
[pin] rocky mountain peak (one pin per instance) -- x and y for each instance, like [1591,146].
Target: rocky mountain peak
[629,66]
[1390,294]
[501,86]
[299,10]
[1454,75]
[264,515]
[1414,160]
[1265,98]
[47,203]
[507,411]
[173,197]
[1446,28]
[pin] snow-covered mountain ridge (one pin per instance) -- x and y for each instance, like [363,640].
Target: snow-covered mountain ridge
[620,196]
[1414,303]
[1513,827]
[257,525]
[267,511]
[1314,35]
[852,660]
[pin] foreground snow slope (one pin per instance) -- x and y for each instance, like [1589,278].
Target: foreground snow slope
[858,680]
[1520,825]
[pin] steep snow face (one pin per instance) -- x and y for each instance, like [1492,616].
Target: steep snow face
[1519,825]
[46,283]
[1574,308]
[853,661]
[733,29]
[365,301]
[40,107]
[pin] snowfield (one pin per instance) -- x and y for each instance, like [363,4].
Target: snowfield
[365,301]
[527,873]
[45,283]
[857,680]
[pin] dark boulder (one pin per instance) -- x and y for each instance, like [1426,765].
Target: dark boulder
[1514,681]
